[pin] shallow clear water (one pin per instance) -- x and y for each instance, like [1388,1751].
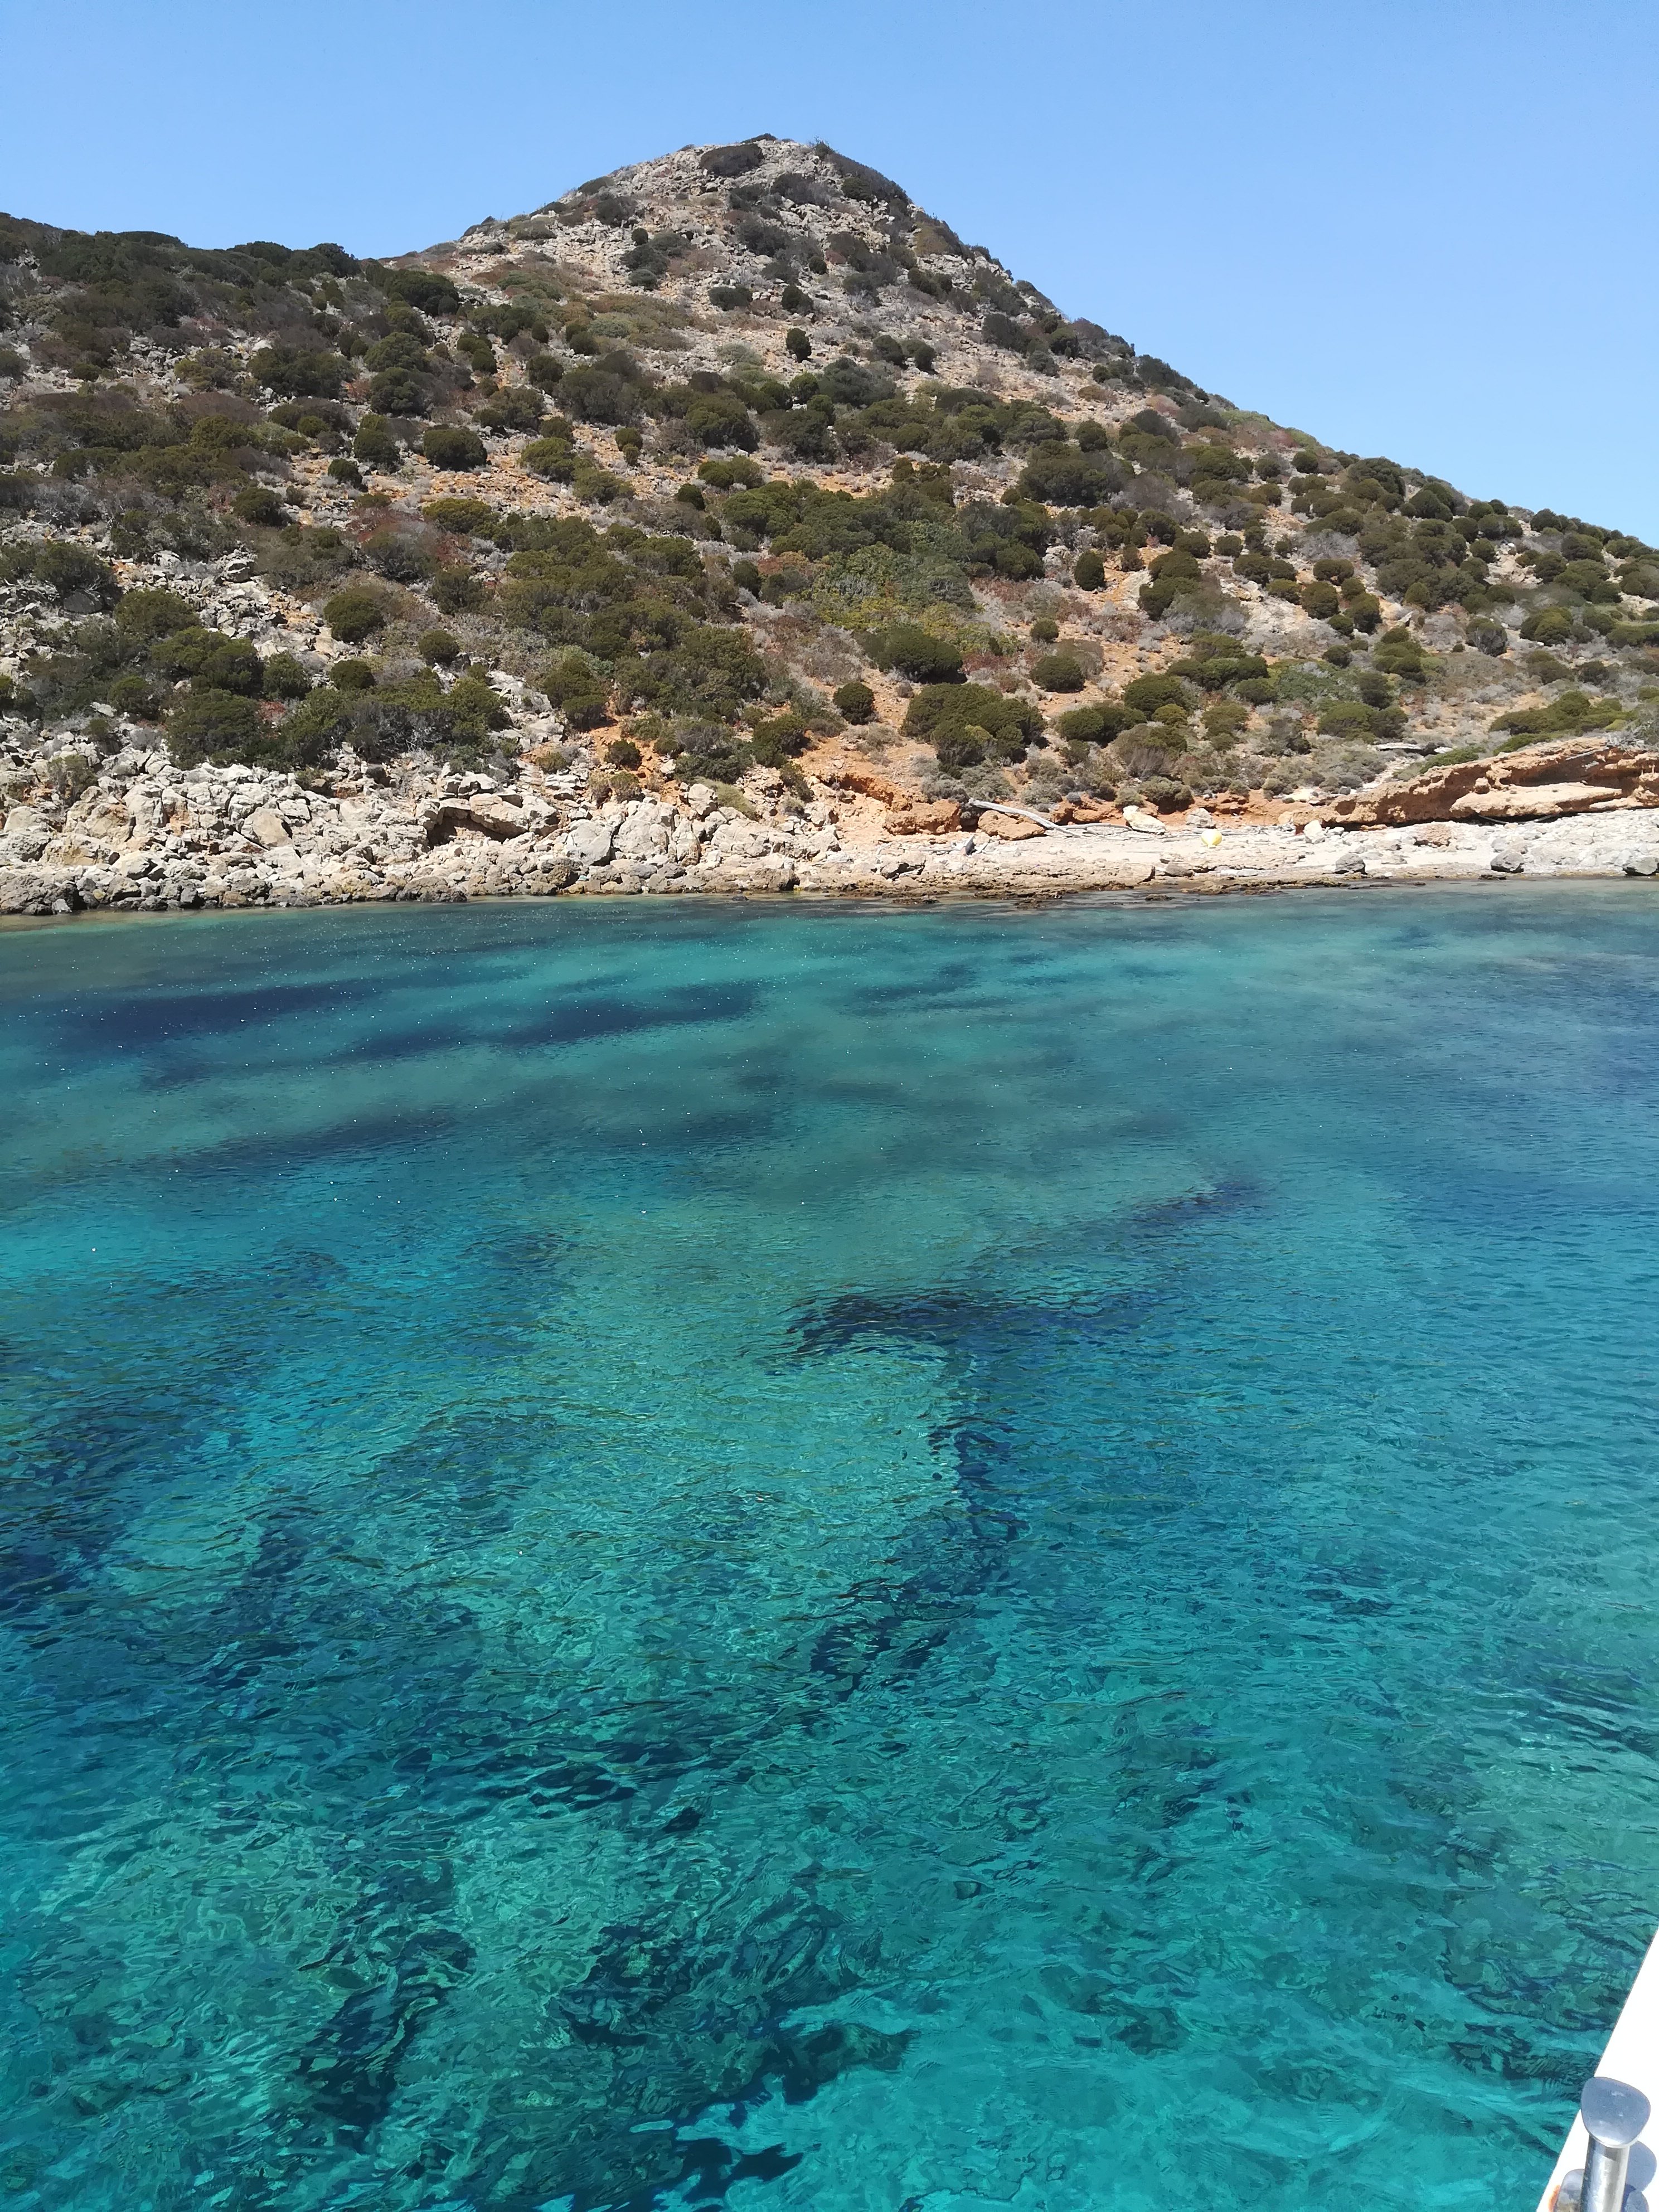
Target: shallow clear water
[841,1558]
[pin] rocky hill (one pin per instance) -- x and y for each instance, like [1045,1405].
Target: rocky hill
[726,521]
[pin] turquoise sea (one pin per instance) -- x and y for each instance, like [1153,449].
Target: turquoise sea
[660,1554]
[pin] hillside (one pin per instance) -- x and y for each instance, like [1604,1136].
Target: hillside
[734,470]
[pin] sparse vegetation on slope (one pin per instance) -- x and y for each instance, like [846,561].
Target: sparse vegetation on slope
[736,458]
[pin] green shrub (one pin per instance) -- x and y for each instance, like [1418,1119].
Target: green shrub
[463,517]
[799,345]
[447,446]
[145,615]
[1017,562]
[438,648]
[259,506]
[554,458]
[607,393]
[518,408]
[1045,630]
[129,694]
[396,554]
[916,652]
[1547,626]
[1059,672]
[735,161]
[1348,718]
[1096,726]
[577,693]
[856,700]
[1059,475]
[297,375]
[426,290]
[316,726]
[375,444]
[736,474]
[728,297]
[1398,653]
[1157,597]
[719,419]
[212,661]
[1147,693]
[475,708]
[284,678]
[73,573]
[1215,470]
[595,486]
[205,724]
[969,723]
[1587,579]
[1365,611]
[1088,572]
[622,753]
[345,470]
[352,675]
[1571,712]
[1489,638]
[1225,721]
[397,392]
[456,590]
[355,614]
[402,351]
[1320,600]
[1212,661]
[709,672]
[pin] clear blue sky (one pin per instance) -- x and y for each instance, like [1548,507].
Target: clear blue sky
[1424,230]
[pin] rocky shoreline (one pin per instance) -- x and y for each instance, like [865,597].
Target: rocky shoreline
[145,836]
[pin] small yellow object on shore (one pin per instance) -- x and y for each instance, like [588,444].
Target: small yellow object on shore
[1210,838]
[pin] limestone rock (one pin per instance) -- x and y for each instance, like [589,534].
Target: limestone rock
[481,811]
[646,830]
[38,891]
[1012,828]
[267,825]
[925,817]
[738,840]
[1537,782]
[589,843]
[866,783]
[27,833]
[1530,802]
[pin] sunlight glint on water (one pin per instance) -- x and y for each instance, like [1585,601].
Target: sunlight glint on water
[661,1552]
